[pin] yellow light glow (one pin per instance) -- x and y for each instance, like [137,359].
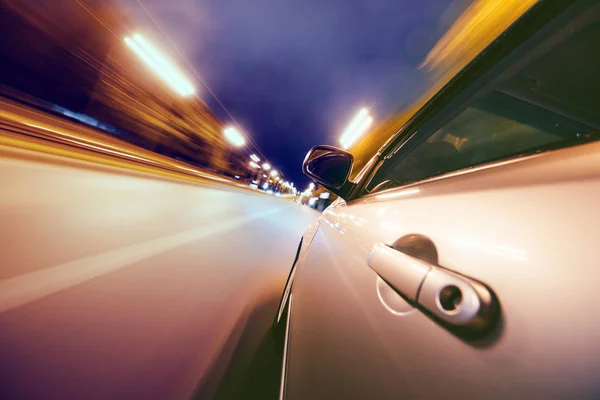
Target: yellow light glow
[482,22]
[160,65]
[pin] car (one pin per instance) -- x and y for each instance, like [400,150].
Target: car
[461,261]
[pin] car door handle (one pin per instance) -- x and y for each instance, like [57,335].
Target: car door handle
[401,271]
[458,302]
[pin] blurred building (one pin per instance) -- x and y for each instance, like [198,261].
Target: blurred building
[72,54]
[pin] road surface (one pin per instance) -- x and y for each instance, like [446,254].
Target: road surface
[117,284]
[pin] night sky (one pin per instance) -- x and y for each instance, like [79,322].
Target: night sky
[294,72]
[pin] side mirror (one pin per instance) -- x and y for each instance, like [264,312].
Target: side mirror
[330,167]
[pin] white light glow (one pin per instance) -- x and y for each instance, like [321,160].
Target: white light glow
[255,158]
[354,124]
[358,132]
[233,136]
[266,166]
[160,65]
[393,195]
[254,165]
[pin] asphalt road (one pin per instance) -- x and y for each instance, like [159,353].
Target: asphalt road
[120,285]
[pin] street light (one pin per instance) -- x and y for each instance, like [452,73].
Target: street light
[356,128]
[266,166]
[160,64]
[254,165]
[255,158]
[274,173]
[311,186]
[233,136]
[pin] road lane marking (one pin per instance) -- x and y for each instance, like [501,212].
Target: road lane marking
[23,289]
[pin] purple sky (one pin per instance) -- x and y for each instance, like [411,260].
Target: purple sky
[294,72]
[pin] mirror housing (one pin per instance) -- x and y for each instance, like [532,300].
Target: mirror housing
[330,167]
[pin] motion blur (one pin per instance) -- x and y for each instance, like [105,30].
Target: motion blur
[165,234]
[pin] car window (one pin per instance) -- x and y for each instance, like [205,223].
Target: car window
[551,103]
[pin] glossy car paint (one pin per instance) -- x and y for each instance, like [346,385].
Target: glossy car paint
[527,228]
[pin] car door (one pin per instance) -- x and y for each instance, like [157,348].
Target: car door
[493,194]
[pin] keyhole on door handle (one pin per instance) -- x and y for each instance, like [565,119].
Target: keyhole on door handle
[450,298]
[463,305]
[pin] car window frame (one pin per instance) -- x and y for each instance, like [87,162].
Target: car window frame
[528,37]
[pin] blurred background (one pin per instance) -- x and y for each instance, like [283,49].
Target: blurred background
[286,76]
[152,198]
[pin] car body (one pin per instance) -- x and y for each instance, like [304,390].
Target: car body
[461,261]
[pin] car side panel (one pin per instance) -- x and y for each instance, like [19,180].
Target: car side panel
[528,228]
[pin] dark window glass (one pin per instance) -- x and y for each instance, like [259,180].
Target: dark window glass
[331,168]
[552,103]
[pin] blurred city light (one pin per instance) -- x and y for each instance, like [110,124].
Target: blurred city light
[360,131]
[274,173]
[255,158]
[233,136]
[311,186]
[265,185]
[357,127]
[264,175]
[160,64]
[362,114]
[266,166]
[254,165]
